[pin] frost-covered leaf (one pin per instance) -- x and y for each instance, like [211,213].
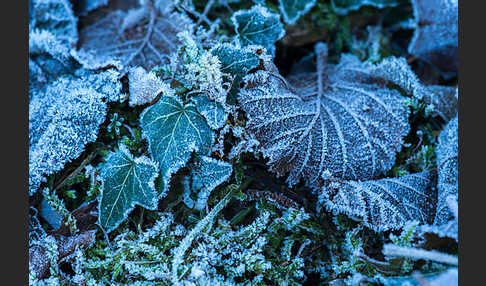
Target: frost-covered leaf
[63,118]
[174,131]
[126,182]
[207,174]
[144,86]
[340,121]
[444,101]
[57,17]
[49,214]
[292,9]
[344,6]
[258,26]
[212,111]
[436,36]
[384,204]
[142,36]
[237,61]
[447,175]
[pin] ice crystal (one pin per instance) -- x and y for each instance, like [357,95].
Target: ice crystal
[338,120]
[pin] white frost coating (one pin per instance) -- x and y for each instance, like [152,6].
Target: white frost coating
[145,86]
[415,253]
[341,118]
[386,203]
[292,10]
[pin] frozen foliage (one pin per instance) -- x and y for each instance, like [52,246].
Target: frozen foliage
[258,26]
[416,253]
[385,203]
[345,6]
[447,177]
[435,36]
[292,9]
[55,16]
[444,101]
[207,174]
[144,86]
[174,131]
[236,61]
[213,112]
[143,36]
[340,121]
[126,182]
[62,120]
[446,278]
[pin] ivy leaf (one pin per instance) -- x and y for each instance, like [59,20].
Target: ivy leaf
[207,174]
[435,36]
[337,122]
[384,204]
[212,111]
[292,9]
[57,17]
[237,61]
[174,131]
[126,182]
[447,175]
[142,36]
[345,6]
[258,26]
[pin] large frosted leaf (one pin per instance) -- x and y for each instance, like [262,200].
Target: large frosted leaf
[345,6]
[292,9]
[57,17]
[126,182]
[258,26]
[447,164]
[143,36]
[435,37]
[207,174]
[174,131]
[386,203]
[339,121]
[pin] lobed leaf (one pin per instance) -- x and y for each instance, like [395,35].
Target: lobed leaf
[126,182]
[337,122]
[174,131]
[258,26]
[384,204]
[212,111]
[207,174]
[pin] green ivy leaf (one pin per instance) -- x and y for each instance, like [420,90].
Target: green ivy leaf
[174,131]
[258,26]
[207,175]
[126,182]
[292,9]
[212,111]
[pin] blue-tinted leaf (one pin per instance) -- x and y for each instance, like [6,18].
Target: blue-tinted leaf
[207,174]
[212,111]
[53,218]
[292,9]
[143,36]
[447,164]
[57,17]
[386,203]
[435,37]
[258,26]
[144,86]
[126,182]
[174,131]
[340,121]
[344,6]
[86,6]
